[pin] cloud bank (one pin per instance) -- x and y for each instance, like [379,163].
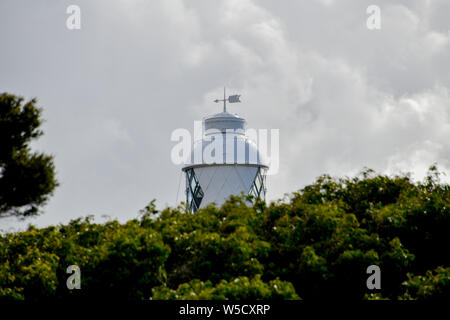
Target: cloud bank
[344,97]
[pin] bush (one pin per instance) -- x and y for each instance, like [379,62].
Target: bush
[237,289]
[317,244]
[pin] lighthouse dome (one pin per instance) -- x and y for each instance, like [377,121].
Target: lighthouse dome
[224,142]
[236,148]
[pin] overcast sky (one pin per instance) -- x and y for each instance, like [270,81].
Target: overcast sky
[343,97]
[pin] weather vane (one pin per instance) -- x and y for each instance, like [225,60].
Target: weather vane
[230,99]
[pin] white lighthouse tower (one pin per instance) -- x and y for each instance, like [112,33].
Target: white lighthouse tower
[224,161]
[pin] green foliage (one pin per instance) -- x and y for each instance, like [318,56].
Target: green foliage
[317,244]
[115,260]
[238,289]
[27,178]
[434,285]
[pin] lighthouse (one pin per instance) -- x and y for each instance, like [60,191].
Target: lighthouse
[224,161]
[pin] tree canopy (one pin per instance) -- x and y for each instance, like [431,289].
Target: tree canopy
[27,179]
[315,243]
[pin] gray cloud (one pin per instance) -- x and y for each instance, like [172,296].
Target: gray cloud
[343,97]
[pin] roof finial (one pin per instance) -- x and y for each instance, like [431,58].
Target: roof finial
[224,101]
[230,99]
